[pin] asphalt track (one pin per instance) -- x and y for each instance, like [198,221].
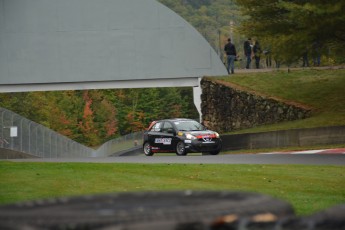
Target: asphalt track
[331,157]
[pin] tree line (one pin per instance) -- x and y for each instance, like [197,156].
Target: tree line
[296,28]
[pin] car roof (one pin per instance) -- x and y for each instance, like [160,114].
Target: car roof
[176,119]
[171,120]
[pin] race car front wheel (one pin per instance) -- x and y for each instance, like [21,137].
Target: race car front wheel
[147,149]
[215,152]
[181,149]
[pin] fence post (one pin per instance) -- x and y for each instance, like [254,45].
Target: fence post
[2,128]
[21,134]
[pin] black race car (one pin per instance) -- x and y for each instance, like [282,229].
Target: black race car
[180,136]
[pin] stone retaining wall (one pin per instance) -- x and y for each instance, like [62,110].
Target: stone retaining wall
[226,107]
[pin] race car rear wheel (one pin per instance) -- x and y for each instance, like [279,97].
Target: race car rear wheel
[181,149]
[147,149]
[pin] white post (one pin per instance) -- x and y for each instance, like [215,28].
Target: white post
[197,98]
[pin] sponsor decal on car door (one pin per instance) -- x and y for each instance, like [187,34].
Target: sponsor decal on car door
[164,141]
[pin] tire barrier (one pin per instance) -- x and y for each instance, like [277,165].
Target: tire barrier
[187,210]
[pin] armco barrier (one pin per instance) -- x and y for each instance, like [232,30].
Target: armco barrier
[11,154]
[285,138]
[125,145]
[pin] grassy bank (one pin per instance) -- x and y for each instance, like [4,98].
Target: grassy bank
[307,188]
[323,90]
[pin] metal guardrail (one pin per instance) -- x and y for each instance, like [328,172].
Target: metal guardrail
[119,145]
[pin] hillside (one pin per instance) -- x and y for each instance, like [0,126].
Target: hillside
[321,89]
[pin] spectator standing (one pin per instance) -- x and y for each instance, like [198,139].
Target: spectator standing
[231,54]
[316,52]
[257,54]
[268,56]
[248,52]
[305,58]
[277,61]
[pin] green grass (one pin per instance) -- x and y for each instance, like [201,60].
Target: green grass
[323,90]
[307,188]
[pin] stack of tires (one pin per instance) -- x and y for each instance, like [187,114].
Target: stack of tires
[186,210]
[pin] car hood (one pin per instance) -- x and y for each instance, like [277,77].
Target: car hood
[201,134]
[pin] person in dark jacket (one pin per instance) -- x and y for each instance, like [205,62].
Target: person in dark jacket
[305,58]
[248,52]
[257,54]
[231,54]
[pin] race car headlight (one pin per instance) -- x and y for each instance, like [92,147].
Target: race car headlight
[190,136]
[217,135]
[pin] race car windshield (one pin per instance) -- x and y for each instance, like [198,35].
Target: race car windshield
[189,126]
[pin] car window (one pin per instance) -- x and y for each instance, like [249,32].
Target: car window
[189,126]
[156,127]
[166,127]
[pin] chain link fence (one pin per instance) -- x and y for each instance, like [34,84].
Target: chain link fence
[25,136]
[22,135]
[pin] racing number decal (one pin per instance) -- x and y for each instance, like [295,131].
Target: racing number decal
[164,141]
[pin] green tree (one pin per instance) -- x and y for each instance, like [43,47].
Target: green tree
[64,111]
[87,123]
[291,26]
